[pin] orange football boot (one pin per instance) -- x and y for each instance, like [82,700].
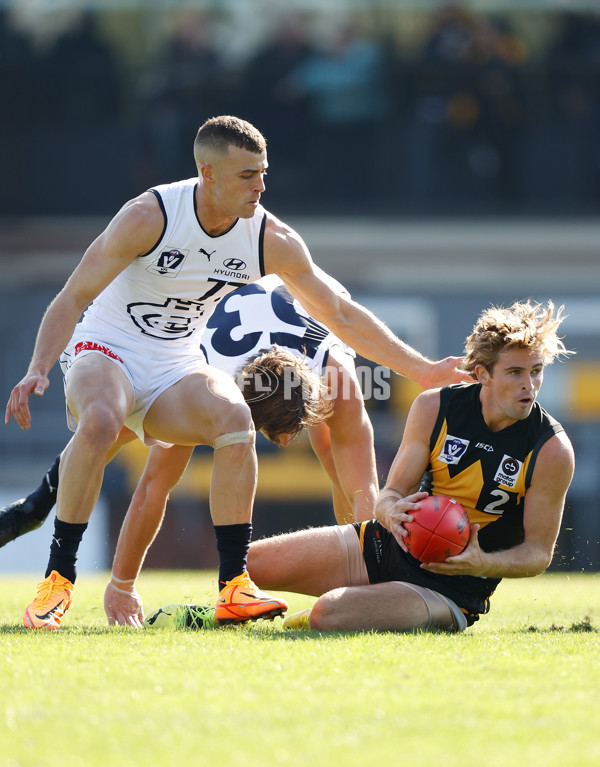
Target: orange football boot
[240,600]
[50,604]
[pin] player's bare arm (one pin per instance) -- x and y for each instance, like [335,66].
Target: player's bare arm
[133,231]
[399,497]
[287,255]
[544,503]
[164,468]
[351,449]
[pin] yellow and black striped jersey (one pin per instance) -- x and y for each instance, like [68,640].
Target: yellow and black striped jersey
[488,472]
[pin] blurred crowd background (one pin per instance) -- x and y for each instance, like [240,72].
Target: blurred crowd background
[437,157]
[372,106]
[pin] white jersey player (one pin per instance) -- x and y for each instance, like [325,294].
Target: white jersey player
[153,278]
[198,271]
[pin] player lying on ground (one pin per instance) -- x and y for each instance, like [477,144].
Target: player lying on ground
[488,444]
[147,286]
[244,324]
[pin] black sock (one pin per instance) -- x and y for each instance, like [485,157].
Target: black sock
[63,549]
[233,542]
[39,503]
[52,476]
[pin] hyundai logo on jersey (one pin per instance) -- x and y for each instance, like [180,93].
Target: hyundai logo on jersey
[234,263]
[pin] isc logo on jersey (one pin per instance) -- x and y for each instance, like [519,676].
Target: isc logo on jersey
[168,263]
[508,471]
[453,450]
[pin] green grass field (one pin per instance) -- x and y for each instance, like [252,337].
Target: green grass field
[519,688]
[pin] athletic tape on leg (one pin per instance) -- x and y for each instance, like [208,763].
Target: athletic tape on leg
[437,609]
[234,438]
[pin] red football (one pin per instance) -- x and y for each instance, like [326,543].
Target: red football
[440,529]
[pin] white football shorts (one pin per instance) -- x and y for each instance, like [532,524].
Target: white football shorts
[151,371]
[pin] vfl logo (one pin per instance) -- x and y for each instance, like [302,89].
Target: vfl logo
[453,450]
[235,264]
[168,263]
[508,471]
[206,253]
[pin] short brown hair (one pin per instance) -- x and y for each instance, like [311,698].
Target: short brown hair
[218,133]
[523,325]
[283,393]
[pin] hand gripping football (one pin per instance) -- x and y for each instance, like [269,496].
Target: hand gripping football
[440,529]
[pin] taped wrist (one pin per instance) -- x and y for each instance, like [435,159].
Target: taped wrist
[128,583]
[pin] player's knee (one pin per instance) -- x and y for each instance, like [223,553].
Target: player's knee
[154,484]
[232,416]
[99,426]
[269,561]
[260,561]
[324,615]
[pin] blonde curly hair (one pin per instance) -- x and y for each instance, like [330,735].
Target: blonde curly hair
[524,325]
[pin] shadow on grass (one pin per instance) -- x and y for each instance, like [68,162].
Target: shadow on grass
[294,635]
[255,633]
[276,635]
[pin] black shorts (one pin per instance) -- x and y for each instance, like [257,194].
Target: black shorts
[386,561]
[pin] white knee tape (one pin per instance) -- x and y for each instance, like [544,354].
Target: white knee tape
[234,438]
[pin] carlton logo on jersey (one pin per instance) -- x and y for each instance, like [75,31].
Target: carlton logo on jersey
[453,450]
[178,317]
[508,471]
[168,263]
[175,318]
